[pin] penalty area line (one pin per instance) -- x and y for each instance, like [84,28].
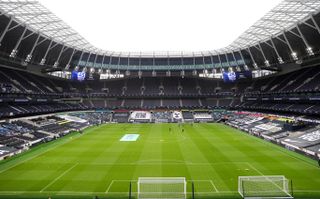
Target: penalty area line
[39,154]
[109,187]
[255,169]
[114,181]
[57,178]
[214,186]
[208,181]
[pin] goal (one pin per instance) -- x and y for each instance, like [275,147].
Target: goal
[162,187]
[263,187]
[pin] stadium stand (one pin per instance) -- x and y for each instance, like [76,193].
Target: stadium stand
[279,94]
[302,136]
[295,97]
[140,116]
[187,115]
[121,116]
[202,116]
[242,84]
[162,116]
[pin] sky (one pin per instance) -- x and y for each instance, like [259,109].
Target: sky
[160,25]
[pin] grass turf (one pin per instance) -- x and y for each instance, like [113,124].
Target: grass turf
[97,163]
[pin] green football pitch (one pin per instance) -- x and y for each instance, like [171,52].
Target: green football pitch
[97,163]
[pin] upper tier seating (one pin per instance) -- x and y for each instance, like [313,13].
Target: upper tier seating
[23,93]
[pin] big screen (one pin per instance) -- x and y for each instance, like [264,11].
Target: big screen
[79,76]
[234,76]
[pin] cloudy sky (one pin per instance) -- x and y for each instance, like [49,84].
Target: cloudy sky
[160,25]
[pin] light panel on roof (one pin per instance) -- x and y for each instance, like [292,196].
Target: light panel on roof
[38,18]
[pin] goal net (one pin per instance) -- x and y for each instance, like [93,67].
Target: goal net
[162,187]
[263,187]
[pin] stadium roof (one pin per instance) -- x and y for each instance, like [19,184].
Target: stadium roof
[38,18]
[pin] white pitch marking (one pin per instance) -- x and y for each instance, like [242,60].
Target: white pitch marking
[37,155]
[57,178]
[210,181]
[113,181]
[109,187]
[254,168]
[214,186]
[96,192]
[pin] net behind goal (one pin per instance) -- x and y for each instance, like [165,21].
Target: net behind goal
[264,187]
[162,187]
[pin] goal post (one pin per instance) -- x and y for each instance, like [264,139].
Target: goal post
[162,187]
[251,187]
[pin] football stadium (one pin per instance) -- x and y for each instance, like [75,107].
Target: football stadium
[80,122]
